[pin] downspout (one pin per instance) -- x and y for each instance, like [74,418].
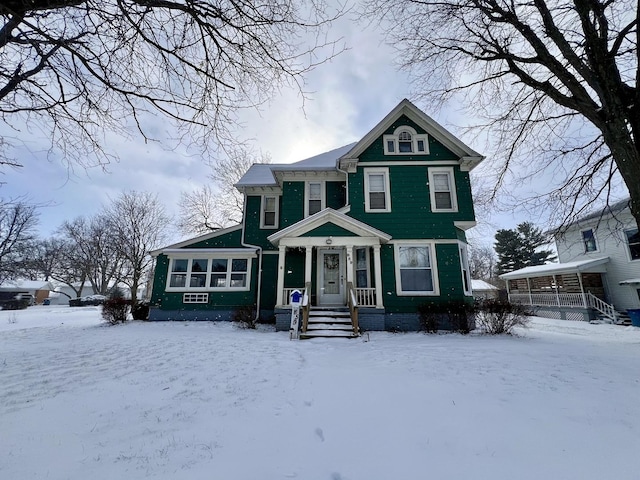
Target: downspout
[244,244]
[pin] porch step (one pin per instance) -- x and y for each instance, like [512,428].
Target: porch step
[329,323]
[327,334]
[329,326]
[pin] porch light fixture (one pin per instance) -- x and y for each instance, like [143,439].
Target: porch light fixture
[329,241]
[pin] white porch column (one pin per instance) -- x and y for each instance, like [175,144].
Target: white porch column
[584,297]
[350,260]
[308,255]
[377,265]
[555,283]
[282,251]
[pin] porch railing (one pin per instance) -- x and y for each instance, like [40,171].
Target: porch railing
[365,297]
[352,300]
[569,300]
[286,299]
[306,304]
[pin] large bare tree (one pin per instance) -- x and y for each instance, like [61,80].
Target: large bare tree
[18,221]
[555,83]
[218,204]
[75,69]
[139,224]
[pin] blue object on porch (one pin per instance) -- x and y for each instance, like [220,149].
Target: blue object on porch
[296,296]
[634,314]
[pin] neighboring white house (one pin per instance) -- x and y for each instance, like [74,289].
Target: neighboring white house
[38,289]
[63,293]
[598,269]
[482,289]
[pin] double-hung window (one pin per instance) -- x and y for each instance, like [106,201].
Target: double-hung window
[376,186]
[362,268]
[464,264]
[315,198]
[589,241]
[415,270]
[269,212]
[442,190]
[633,241]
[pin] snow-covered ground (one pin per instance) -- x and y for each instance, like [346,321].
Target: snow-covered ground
[79,400]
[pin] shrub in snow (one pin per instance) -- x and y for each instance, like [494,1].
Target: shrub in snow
[498,316]
[115,309]
[245,316]
[453,315]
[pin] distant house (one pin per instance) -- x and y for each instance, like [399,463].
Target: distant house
[63,293]
[378,225]
[38,290]
[483,290]
[598,274]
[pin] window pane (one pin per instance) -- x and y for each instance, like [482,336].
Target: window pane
[441,182]
[238,280]
[404,147]
[633,238]
[219,265]
[376,182]
[269,219]
[421,145]
[180,265]
[314,206]
[270,204]
[239,265]
[218,280]
[404,136]
[199,265]
[178,281]
[443,200]
[315,191]
[589,241]
[391,147]
[361,279]
[414,257]
[416,280]
[361,258]
[198,280]
[377,201]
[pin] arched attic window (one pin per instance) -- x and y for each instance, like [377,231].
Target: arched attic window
[405,141]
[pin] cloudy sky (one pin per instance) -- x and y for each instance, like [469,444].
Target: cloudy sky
[349,95]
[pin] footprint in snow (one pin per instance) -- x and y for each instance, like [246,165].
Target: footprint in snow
[336,476]
[320,434]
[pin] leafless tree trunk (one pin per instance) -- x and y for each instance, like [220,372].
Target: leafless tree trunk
[76,68]
[555,82]
[139,224]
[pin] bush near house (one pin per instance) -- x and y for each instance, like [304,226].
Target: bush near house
[246,317]
[116,308]
[496,317]
[455,315]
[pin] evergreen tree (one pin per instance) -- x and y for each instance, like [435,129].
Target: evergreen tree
[521,248]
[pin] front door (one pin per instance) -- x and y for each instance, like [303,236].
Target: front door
[331,277]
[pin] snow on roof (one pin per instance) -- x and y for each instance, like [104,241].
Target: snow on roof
[556,268]
[27,285]
[262,173]
[479,285]
[630,281]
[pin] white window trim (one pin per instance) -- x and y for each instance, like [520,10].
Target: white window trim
[387,190]
[367,267]
[432,193]
[434,268]
[595,239]
[207,288]
[415,137]
[323,195]
[263,206]
[464,265]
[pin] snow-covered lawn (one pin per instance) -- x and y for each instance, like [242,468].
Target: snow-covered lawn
[79,400]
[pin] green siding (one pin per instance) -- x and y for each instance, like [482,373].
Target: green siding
[294,269]
[336,194]
[227,240]
[411,215]
[329,229]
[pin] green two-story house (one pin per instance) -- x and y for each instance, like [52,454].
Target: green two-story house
[380,223]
